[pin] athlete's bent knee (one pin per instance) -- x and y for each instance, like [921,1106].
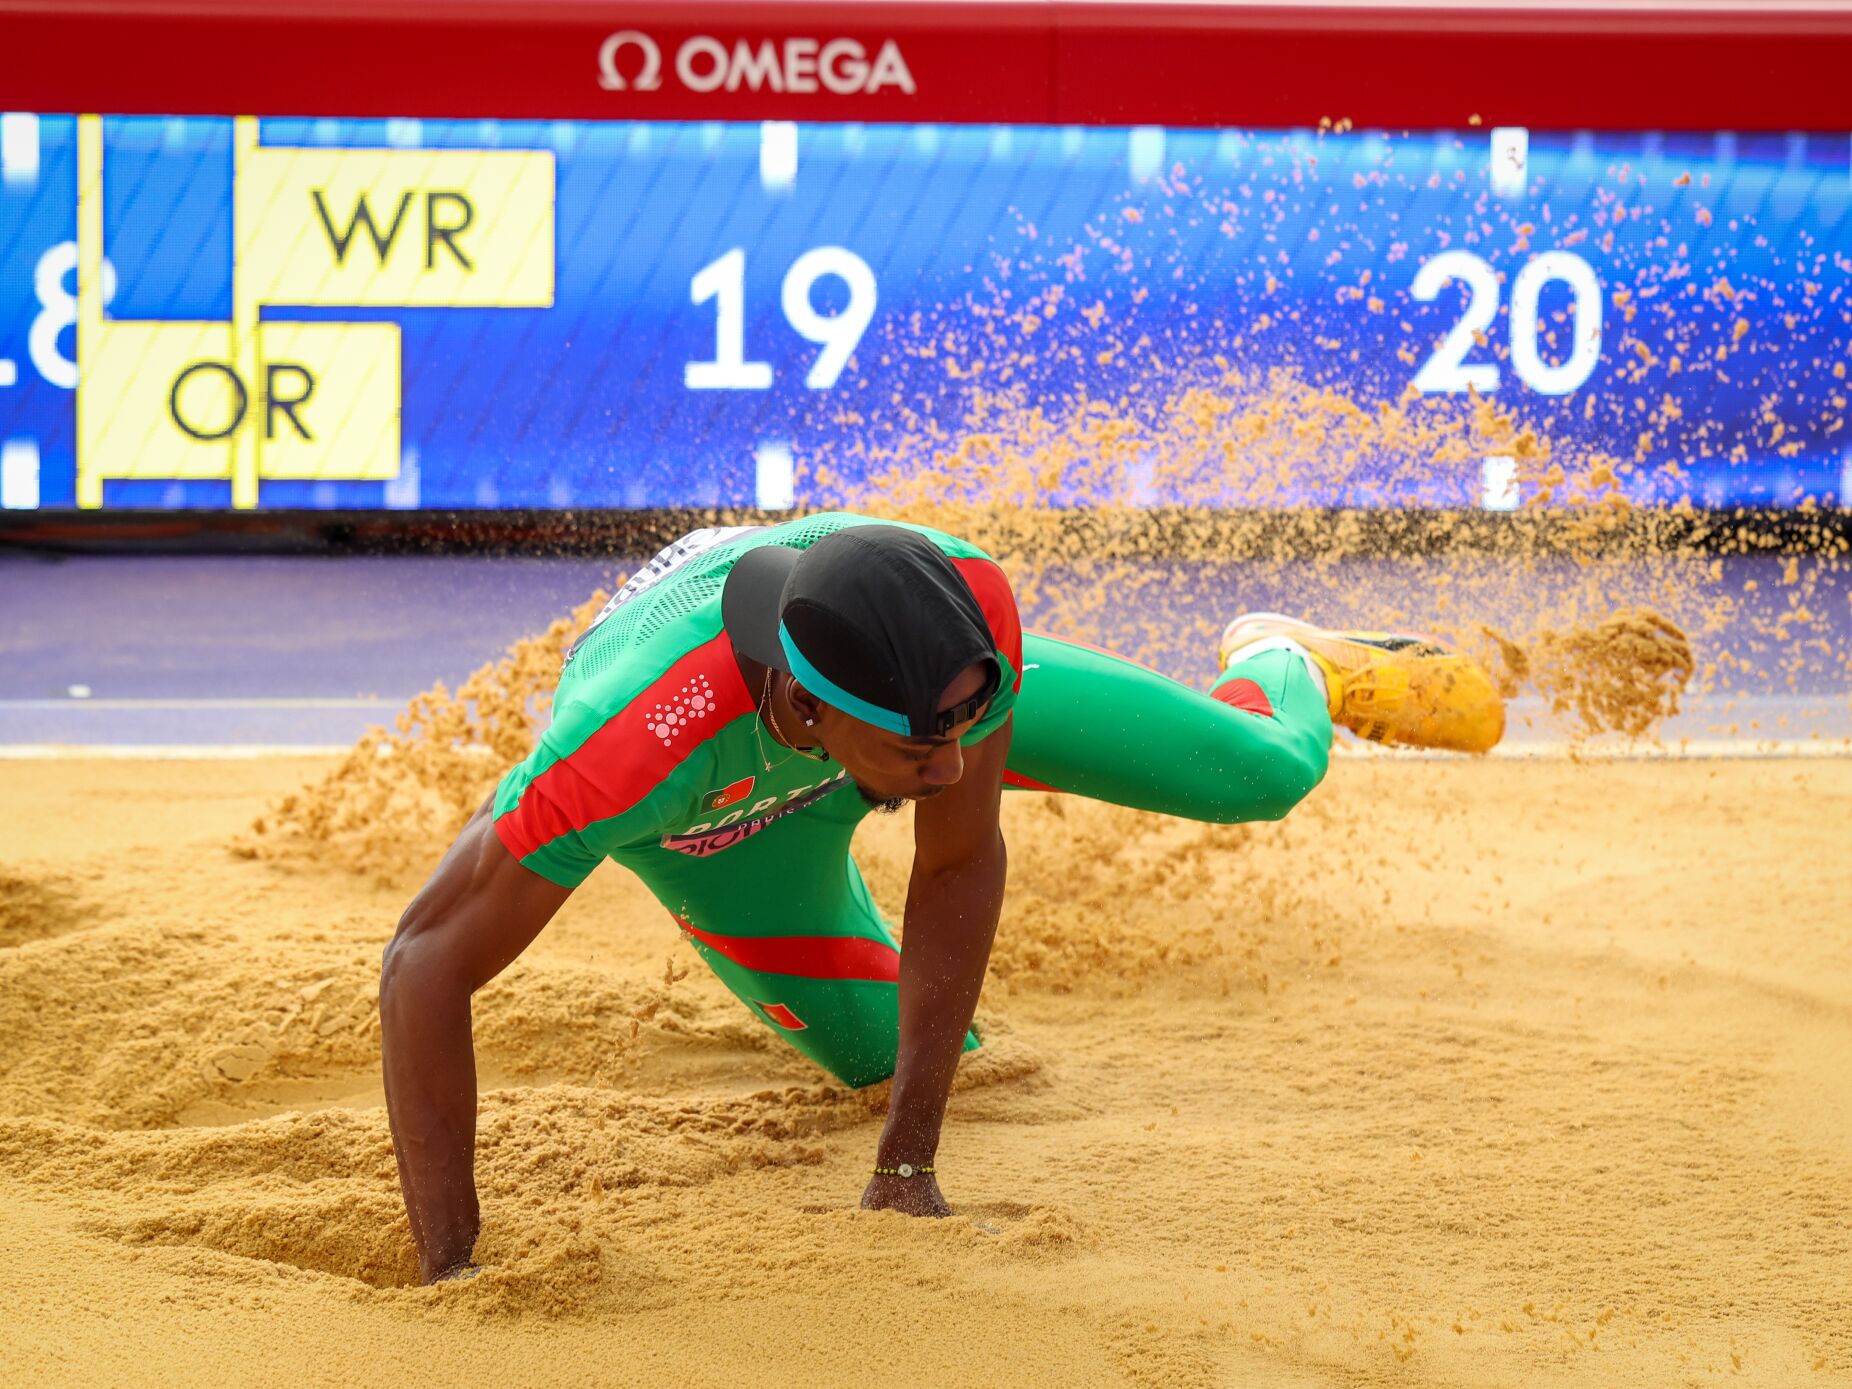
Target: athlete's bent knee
[1268,788]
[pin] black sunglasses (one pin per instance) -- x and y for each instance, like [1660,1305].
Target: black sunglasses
[947,719]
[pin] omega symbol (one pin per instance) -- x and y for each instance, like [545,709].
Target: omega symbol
[648,78]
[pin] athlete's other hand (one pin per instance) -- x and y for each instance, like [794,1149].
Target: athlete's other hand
[909,1195]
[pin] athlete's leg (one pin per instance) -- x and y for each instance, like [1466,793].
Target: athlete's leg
[1096,725]
[785,921]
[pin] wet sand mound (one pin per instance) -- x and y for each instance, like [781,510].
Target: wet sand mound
[401,791]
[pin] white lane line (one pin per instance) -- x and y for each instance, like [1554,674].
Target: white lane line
[1144,152]
[774,476]
[1695,751]
[164,752]
[777,156]
[1510,159]
[19,470]
[19,149]
[1685,750]
[278,703]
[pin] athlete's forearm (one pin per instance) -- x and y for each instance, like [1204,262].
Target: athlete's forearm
[951,922]
[479,911]
[430,1074]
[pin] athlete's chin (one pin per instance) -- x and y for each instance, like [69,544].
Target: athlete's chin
[878,802]
[891,804]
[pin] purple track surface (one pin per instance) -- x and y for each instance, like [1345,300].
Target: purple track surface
[310,651]
[292,650]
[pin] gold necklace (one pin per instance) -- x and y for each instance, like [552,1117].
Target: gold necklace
[758,726]
[765,701]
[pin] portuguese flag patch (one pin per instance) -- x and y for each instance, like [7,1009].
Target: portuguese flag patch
[728,795]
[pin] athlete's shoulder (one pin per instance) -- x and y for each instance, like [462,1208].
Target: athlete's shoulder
[622,741]
[666,609]
[657,688]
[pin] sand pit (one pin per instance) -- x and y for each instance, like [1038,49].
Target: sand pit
[1468,1073]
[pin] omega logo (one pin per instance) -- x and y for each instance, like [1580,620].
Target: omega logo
[647,79]
[797,65]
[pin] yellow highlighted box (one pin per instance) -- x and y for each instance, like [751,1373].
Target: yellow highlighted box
[171,400]
[396,228]
[253,401]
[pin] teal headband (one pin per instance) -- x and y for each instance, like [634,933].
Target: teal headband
[830,692]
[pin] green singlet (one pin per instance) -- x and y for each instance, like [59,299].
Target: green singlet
[653,760]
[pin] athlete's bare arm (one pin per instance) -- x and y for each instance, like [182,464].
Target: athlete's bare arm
[479,911]
[953,902]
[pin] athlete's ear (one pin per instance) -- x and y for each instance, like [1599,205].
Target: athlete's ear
[808,706]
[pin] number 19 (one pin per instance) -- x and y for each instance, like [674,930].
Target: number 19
[724,280]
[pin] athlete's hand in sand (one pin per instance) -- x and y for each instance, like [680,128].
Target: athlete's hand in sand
[480,910]
[909,1195]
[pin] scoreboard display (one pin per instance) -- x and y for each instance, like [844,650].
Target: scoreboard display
[206,311]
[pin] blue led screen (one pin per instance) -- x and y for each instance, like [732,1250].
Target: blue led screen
[481,314]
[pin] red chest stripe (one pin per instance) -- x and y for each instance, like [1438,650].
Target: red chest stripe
[634,751]
[991,588]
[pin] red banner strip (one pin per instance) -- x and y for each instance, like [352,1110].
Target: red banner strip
[1620,66]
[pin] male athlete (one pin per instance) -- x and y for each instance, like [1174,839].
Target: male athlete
[736,710]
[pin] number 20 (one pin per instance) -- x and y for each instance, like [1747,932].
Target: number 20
[1447,369]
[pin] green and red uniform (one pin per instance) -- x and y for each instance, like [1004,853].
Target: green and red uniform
[654,760]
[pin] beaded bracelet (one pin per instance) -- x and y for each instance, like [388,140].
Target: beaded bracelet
[906,1169]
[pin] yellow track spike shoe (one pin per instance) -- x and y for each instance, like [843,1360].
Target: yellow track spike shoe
[1389,687]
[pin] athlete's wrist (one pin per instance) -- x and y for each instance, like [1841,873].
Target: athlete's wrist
[914,1160]
[912,1142]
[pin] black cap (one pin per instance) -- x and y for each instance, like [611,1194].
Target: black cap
[872,619]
